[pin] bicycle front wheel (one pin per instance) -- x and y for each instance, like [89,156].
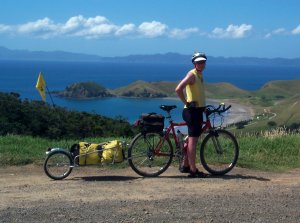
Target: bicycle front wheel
[58,165]
[219,152]
[149,154]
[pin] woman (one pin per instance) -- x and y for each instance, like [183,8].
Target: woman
[194,106]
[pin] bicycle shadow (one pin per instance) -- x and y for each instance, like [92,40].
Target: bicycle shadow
[106,178]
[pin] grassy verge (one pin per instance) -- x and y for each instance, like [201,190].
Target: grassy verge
[22,150]
[271,151]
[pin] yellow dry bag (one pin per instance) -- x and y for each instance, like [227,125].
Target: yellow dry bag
[89,153]
[112,152]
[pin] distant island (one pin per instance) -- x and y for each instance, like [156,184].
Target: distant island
[167,58]
[84,90]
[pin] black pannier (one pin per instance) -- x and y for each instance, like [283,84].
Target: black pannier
[151,122]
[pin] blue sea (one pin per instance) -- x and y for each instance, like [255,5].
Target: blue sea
[21,76]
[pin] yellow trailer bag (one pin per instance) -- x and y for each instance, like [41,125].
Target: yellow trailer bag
[112,152]
[89,153]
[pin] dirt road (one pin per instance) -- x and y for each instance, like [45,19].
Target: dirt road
[119,195]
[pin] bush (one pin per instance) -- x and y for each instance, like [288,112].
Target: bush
[272,124]
[294,126]
[37,118]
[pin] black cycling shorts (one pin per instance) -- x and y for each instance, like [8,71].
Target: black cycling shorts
[194,120]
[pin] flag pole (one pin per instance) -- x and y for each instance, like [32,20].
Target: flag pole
[50,97]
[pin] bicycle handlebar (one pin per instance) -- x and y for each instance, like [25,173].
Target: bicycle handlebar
[220,109]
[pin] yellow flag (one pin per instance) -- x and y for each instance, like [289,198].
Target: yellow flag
[41,86]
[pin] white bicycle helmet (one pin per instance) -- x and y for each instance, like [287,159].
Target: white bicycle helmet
[198,57]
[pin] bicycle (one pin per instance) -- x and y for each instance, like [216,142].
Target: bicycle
[151,153]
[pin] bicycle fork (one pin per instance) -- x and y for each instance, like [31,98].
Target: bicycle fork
[216,142]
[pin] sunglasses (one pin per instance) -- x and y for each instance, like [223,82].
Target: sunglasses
[201,62]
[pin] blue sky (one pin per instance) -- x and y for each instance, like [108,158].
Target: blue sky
[261,28]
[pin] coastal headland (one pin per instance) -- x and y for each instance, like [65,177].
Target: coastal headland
[271,99]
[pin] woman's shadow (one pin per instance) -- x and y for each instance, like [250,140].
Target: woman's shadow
[106,178]
[224,177]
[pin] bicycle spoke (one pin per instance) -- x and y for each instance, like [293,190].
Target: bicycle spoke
[149,155]
[146,159]
[58,165]
[219,152]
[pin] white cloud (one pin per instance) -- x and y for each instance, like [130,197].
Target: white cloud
[283,31]
[96,21]
[101,27]
[278,31]
[268,35]
[4,28]
[89,28]
[72,24]
[296,30]
[182,33]
[125,29]
[232,31]
[93,27]
[152,29]
[41,28]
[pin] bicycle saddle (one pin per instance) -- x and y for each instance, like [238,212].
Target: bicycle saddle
[168,107]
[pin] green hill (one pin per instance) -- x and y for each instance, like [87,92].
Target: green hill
[167,89]
[288,111]
[225,90]
[270,94]
[277,103]
[280,89]
[275,91]
[143,89]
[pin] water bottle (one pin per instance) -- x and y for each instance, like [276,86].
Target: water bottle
[180,140]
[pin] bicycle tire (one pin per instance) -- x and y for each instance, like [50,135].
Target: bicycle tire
[142,157]
[58,165]
[219,152]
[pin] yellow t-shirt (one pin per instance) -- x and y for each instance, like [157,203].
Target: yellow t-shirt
[195,92]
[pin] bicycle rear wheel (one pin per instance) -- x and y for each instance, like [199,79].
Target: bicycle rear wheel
[58,165]
[149,155]
[219,152]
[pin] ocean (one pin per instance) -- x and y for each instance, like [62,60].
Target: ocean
[21,76]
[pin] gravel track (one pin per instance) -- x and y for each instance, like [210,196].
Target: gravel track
[119,195]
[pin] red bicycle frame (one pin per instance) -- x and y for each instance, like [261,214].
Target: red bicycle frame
[171,128]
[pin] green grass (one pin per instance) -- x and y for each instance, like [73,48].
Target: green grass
[21,150]
[277,153]
[272,152]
